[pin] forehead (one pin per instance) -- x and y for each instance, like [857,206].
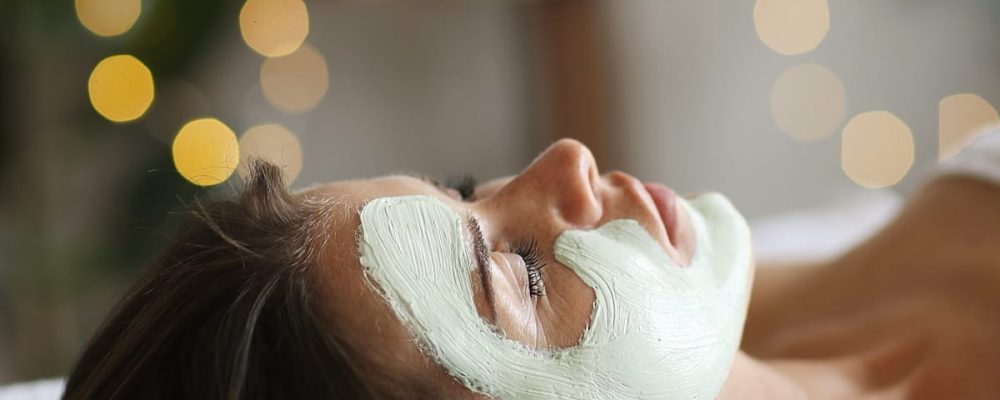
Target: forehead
[348,198]
[354,193]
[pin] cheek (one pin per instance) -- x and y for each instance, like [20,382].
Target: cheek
[555,320]
[565,310]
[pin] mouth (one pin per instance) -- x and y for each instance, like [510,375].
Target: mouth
[666,205]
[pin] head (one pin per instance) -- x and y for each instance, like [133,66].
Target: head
[402,287]
[232,309]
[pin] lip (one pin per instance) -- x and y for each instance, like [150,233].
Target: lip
[666,205]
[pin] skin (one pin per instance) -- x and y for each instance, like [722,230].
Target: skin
[560,190]
[913,313]
[829,331]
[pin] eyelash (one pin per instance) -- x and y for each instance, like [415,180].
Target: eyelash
[533,262]
[465,185]
[528,250]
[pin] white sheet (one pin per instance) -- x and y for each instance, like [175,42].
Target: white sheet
[45,389]
[822,233]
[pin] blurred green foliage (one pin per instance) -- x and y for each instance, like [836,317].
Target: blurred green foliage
[87,203]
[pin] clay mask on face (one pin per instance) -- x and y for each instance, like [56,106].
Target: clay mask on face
[657,331]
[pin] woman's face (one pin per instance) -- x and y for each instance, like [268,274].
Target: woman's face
[512,225]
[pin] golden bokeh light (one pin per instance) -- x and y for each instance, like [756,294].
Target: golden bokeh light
[274,28]
[206,152]
[108,17]
[297,82]
[120,88]
[791,27]
[274,143]
[808,102]
[876,149]
[960,118]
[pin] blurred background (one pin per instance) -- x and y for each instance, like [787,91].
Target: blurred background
[116,114]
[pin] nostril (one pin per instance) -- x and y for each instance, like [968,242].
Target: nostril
[627,184]
[581,211]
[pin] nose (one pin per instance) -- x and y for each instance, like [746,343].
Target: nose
[563,178]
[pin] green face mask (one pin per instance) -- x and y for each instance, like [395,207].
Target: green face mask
[657,330]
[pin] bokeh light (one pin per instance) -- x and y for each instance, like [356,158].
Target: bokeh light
[108,17]
[274,143]
[960,117]
[876,149]
[120,88]
[274,28]
[297,82]
[791,27]
[176,101]
[808,102]
[206,151]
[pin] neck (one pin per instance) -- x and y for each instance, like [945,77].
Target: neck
[957,217]
[952,226]
[939,255]
[944,242]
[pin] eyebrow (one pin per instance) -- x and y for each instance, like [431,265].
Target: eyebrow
[482,256]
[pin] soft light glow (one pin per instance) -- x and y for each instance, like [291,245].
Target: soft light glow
[108,17]
[295,83]
[206,152]
[274,143]
[808,102]
[274,28]
[120,88]
[960,118]
[791,27]
[876,149]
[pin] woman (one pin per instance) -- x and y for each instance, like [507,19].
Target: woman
[556,283]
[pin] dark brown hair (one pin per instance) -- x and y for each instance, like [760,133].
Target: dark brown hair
[233,309]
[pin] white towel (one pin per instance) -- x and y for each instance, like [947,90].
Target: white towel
[45,389]
[981,158]
[819,234]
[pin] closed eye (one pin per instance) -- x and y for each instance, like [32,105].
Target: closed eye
[533,263]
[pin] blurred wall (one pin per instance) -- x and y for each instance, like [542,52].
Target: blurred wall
[433,87]
[438,87]
[695,87]
[443,87]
